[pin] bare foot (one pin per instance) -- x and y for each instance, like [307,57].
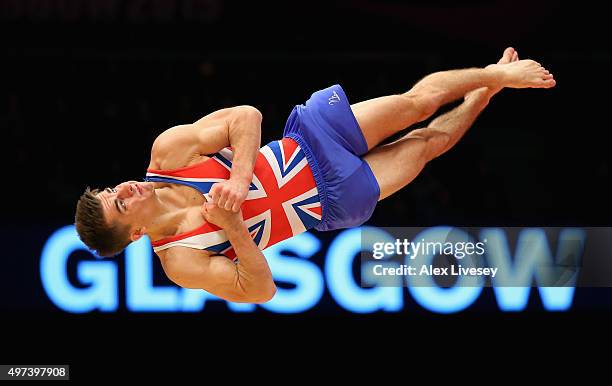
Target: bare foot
[510,55]
[523,74]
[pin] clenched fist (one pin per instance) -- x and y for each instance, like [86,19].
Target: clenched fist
[221,217]
[229,195]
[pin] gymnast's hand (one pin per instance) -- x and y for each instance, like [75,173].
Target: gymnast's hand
[221,217]
[229,194]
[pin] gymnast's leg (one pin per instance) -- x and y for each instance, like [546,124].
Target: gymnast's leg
[396,164]
[382,117]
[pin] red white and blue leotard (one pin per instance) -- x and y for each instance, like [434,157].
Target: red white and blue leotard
[282,202]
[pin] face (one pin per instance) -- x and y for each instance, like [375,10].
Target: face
[129,203]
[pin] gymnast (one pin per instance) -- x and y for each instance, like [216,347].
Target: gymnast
[212,199]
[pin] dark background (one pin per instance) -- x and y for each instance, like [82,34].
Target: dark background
[110,80]
[86,86]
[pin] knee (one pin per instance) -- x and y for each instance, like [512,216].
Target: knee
[435,142]
[437,145]
[426,100]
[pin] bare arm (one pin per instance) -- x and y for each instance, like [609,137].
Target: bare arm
[218,275]
[245,138]
[239,127]
[250,280]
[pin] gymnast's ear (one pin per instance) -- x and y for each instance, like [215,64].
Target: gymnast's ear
[138,233]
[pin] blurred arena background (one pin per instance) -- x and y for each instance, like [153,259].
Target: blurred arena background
[87,85]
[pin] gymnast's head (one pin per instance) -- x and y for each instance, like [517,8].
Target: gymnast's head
[107,221]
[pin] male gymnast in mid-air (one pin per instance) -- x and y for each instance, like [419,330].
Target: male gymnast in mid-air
[213,199]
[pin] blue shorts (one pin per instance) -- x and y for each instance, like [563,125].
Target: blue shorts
[328,132]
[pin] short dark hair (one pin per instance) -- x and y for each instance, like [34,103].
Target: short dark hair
[101,237]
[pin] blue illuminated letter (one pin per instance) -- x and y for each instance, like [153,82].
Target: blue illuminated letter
[428,294]
[340,279]
[101,275]
[141,295]
[305,275]
[532,257]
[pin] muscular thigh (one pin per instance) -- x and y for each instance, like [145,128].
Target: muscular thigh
[396,164]
[382,117]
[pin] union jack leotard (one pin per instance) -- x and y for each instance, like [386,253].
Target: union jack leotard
[282,202]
